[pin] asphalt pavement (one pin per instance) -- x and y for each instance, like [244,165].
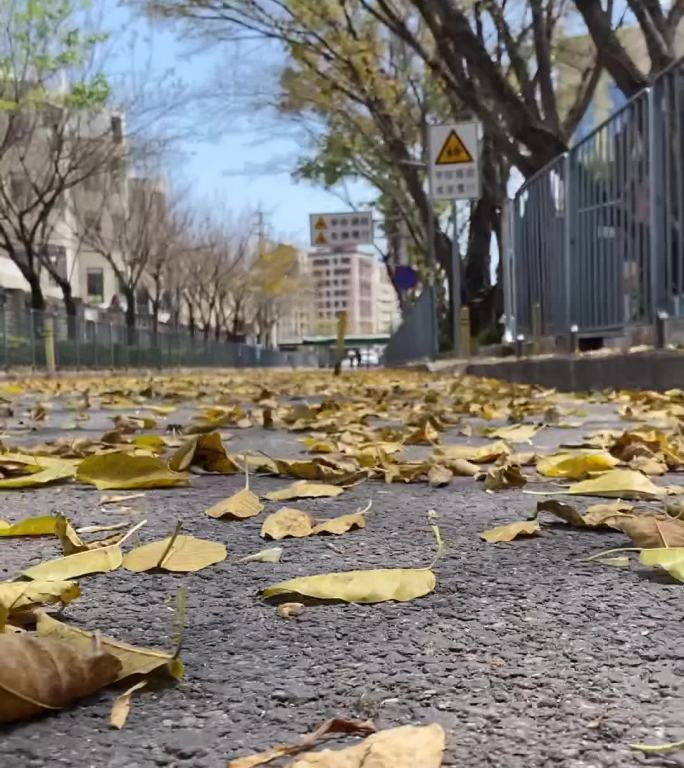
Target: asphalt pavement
[527,654]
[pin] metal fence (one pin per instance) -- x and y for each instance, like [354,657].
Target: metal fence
[29,338]
[414,339]
[596,238]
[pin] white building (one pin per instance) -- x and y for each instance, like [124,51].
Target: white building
[355,282]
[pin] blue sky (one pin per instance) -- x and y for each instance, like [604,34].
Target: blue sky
[243,160]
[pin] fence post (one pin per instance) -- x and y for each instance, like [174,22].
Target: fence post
[464,333]
[568,240]
[656,173]
[33,338]
[49,336]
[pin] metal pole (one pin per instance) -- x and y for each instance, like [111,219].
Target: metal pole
[33,339]
[431,233]
[49,336]
[456,283]
[567,240]
[655,173]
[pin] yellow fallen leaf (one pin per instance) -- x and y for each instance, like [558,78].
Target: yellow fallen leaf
[607,515]
[461,467]
[155,443]
[242,505]
[374,586]
[40,675]
[575,466]
[81,564]
[17,597]
[123,471]
[287,522]
[426,434]
[517,433]
[135,660]
[618,483]
[271,555]
[342,524]
[336,725]
[506,533]
[409,746]
[482,454]
[52,474]
[43,525]
[206,452]
[503,478]
[302,489]
[122,706]
[670,559]
[659,749]
[322,468]
[319,446]
[183,554]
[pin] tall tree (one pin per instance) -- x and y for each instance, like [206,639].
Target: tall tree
[658,26]
[50,138]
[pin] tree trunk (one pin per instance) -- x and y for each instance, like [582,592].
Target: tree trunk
[71,309]
[612,55]
[191,320]
[37,298]
[130,316]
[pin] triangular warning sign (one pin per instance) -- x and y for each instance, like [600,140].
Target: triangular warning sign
[321,239]
[320,223]
[454,151]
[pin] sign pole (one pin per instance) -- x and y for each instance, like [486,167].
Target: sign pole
[431,254]
[456,283]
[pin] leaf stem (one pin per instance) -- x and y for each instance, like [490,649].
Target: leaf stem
[612,551]
[179,525]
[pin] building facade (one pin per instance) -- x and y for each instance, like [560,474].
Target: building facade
[356,283]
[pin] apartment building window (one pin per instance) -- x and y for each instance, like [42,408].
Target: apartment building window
[95,285]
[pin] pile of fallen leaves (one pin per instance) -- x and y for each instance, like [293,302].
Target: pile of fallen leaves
[381,426]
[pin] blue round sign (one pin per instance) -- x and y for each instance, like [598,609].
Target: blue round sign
[405,278]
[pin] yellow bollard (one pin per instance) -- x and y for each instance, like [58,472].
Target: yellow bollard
[464,342]
[49,335]
[341,334]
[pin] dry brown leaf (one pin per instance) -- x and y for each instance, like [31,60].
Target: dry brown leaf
[506,533]
[607,515]
[342,524]
[287,522]
[408,746]
[39,675]
[564,511]
[503,478]
[122,706]
[335,726]
[240,505]
[439,476]
[302,489]
[206,452]
[652,531]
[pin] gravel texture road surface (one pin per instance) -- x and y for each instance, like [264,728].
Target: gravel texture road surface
[526,654]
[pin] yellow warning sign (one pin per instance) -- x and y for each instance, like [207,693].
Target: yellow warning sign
[321,223]
[454,151]
[321,239]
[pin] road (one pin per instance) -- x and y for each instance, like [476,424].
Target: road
[527,654]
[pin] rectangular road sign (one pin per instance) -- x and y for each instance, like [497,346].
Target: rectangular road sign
[455,161]
[330,230]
